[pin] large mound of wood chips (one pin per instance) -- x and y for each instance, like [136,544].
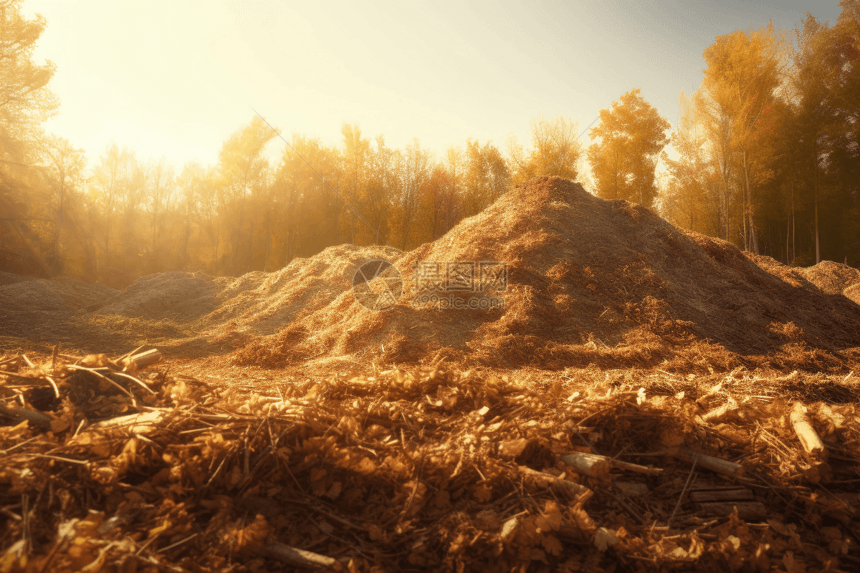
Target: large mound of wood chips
[589,281]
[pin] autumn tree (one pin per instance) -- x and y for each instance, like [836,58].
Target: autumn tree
[825,81]
[25,102]
[243,173]
[555,151]
[290,186]
[413,168]
[381,181]
[310,198]
[189,190]
[112,188]
[741,76]
[689,200]
[356,159]
[65,177]
[631,134]
[486,176]
[160,186]
[440,206]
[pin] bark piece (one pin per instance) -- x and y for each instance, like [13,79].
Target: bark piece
[542,479]
[596,465]
[747,510]
[636,468]
[588,464]
[142,360]
[722,495]
[807,435]
[299,557]
[717,465]
[26,414]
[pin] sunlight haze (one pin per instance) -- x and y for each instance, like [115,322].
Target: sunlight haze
[174,79]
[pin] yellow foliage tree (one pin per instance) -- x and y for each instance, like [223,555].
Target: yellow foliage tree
[631,134]
[741,76]
[555,151]
[689,200]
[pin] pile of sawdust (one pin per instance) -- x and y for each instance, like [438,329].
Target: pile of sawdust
[21,293]
[10,278]
[827,276]
[853,293]
[179,294]
[589,281]
[832,278]
[192,309]
[263,303]
[42,309]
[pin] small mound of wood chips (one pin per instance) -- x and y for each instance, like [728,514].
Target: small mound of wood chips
[107,467]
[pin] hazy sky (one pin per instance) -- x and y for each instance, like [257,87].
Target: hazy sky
[176,78]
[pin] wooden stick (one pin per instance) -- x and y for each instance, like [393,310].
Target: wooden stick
[747,510]
[127,354]
[683,492]
[574,489]
[805,432]
[717,465]
[596,465]
[180,542]
[26,414]
[296,557]
[27,360]
[30,378]
[702,496]
[103,377]
[135,380]
[143,360]
[54,386]
[140,423]
[58,458]
[588,464]
[647,470]
[25,515]
[18,445]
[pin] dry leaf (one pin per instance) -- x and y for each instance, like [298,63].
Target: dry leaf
[604,539]
[483,493]
[552,545]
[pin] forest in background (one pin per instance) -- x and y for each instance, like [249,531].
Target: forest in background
[767,156]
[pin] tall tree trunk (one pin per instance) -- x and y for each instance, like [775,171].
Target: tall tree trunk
[60,214]
[817,242]
[185,242]
[815,195]
[268,237]
[724,172]
[793,225]
[749,225]
[617,169]
[249,264]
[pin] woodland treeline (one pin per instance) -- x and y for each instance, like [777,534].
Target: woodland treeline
[766,156]
[769,145]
